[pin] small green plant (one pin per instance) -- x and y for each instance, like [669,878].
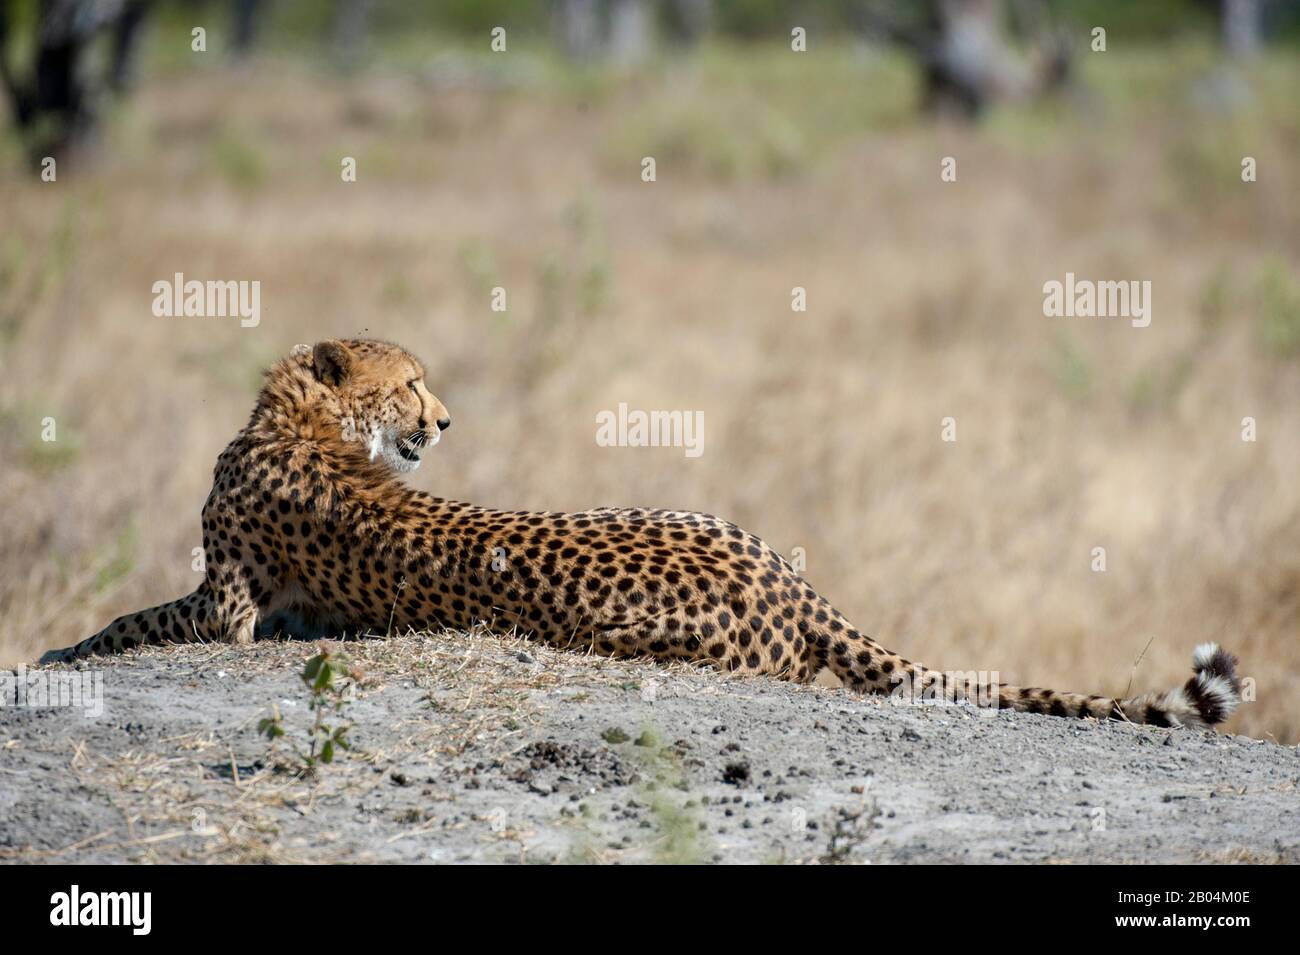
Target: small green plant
[481,269]
[679,840]
[331,681]
[49,457]
[550,291]
[237,159]
[1216,298]
[1160,385]
[118,562]
[851,830]
[676,821]
[595,278]
[396,291]
[38,433]
[1277,297]
[1071,369]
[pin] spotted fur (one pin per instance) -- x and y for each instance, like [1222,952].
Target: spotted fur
[308,521]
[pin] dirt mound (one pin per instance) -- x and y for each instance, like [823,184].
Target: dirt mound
[467,749]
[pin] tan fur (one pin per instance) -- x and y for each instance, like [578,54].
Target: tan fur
[306,515]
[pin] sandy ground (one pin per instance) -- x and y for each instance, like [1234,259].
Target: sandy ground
[478,748]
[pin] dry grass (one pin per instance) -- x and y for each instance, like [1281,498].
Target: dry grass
[822,429]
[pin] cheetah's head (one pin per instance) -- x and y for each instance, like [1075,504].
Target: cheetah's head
[383,401]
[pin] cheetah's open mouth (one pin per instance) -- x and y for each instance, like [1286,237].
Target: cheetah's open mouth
[409,448]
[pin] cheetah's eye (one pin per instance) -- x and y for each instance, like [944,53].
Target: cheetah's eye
[412,384]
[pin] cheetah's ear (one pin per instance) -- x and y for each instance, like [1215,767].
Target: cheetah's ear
[333,361]
[299,351]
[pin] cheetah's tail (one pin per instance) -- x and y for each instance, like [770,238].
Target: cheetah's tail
[1208,697]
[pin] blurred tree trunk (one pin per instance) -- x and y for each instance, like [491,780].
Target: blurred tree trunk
[1241,26]
[60,102]
[244,24]
[631,29]
[126,45]
[967,61]
[13,87]
[621,30]
[970,65]
[687,20]
[577,27]
[351,25]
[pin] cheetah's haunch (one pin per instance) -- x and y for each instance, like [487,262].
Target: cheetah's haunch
[307,517]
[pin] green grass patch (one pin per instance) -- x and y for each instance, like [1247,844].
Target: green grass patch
[236,157]
[117,561]
[1277,309]
[760,111]
[1071,369]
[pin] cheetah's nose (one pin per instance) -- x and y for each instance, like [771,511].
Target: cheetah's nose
[444,424]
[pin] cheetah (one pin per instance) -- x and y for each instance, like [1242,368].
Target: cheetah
[308,517]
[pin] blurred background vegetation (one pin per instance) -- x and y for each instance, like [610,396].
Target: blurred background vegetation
[61,59]
[776,169]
